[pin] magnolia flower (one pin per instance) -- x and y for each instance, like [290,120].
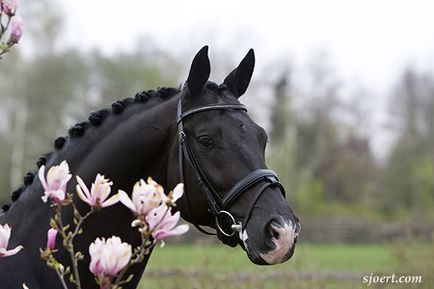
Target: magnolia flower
[25,286]
[163,224]
[5,234]
[98,194]
[9,7]
[51,238]
[55,185]
[108,258]
[145,197]
[16,30]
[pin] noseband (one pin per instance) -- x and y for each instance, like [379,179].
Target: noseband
[226,223]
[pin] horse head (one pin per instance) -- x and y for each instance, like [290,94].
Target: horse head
[220,154]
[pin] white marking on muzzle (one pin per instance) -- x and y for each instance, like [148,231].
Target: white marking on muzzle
[284,243]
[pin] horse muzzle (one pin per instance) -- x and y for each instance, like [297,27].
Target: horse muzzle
[278,242]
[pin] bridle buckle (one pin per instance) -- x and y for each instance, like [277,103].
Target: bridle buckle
[182,137]
[228,231]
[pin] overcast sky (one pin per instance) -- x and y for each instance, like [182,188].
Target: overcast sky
[367,41]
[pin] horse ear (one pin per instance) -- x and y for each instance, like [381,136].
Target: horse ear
[199,72]
[238,80]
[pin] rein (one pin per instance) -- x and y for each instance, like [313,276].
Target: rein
[219,207]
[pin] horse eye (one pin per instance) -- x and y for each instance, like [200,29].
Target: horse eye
[206,141]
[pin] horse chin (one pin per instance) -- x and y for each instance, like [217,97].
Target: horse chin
[280,250]
[269,258]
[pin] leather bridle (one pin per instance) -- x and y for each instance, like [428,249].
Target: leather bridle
[226,223]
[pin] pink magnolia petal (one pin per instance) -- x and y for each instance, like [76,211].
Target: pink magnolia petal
[170,221]
[95,251]
[109,257]
[156,215]
[64,182]
[163,234]
[51,238]
[57,196]
[55,182]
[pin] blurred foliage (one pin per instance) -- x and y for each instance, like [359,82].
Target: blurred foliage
[46,93]
[328,164]
[415,259]
[408,178]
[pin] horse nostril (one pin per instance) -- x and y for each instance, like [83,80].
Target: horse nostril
[274,233]
[273,229]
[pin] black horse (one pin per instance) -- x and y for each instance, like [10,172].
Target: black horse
[200,135]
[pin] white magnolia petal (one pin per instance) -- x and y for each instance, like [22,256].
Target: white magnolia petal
[84,187]
[181,229]
[178,191]
[45,197]
[113,200]
[82,196]
[125,199]
[5,234]
[13,251]
[41,175]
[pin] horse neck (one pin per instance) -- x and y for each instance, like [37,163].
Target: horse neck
[125,148]
[136,149]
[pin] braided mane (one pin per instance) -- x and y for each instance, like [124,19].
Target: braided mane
[95,119]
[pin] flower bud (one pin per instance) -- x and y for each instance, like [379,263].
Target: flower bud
[51,238]
[16,30]
[9,7]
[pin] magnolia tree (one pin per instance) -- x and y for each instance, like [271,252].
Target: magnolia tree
[110,258]
[11,25]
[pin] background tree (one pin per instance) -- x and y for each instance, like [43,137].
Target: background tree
[412,156]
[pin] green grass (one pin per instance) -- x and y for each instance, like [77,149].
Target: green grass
[353,258]
[313,266]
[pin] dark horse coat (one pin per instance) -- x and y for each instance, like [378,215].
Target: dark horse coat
[136,138]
